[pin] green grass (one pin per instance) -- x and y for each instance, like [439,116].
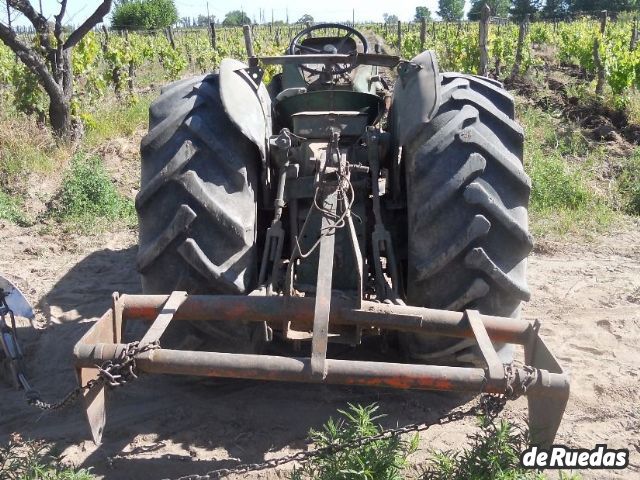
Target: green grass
[561,164]
[88,197]
[556,185]
[116,120]
[628,182]
[11,209]
[379,460]
[35,460]
[18,157]
[24,148]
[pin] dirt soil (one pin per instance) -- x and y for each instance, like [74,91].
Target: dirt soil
[586,294]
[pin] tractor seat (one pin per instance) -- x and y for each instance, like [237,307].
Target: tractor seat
[328,100]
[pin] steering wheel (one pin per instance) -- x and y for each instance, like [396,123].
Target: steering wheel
[296,48]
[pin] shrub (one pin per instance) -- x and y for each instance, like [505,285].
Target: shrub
[494,455]
[87,193]
[379,460]
[35,460]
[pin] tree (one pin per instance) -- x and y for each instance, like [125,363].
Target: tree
[451,10]
[579,6]
[305,18]
[202,20]
[391,19]
[236,18]
[499,8]
[520,8]
[555,9]
[50,58]
[144,15]
[422,12]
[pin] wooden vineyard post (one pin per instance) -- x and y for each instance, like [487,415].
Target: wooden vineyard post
[634,35]
[105,43]
[213,35]
[485,18]
[601,74]
[399,38]
[423,32]
[170,37]
[248,40]
[9,14]
[522,35]
[131,66]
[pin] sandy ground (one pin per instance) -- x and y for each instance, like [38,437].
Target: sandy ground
[586,294]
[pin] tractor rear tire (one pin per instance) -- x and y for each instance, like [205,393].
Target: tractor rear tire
[197,202]
[467,200]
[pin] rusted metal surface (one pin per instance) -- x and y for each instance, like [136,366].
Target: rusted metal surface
[161,323]
[545,411]
[103,332]
[542,380]
[495,368]
[343,372]
[322,307]
[265,367]
[300,310]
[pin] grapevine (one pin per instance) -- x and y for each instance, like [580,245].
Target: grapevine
[112,61]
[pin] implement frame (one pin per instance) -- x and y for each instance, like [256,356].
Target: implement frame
[546,388]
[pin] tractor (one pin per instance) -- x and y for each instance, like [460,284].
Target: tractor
[356,197]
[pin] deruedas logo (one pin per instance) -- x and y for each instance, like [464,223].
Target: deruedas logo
[559,456]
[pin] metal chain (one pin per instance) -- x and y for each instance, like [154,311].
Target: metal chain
[489,405]
[517,385]
[113,373]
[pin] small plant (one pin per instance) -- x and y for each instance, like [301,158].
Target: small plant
[87,193]
[379,460]
[35,460]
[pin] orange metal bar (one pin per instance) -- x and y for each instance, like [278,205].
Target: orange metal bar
[341,372]
[300,310]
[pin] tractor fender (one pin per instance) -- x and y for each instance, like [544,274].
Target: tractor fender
[246,101]
[416,96]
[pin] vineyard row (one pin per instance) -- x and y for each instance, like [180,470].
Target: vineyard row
[110,60]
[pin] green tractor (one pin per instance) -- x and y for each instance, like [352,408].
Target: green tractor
[331,206]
